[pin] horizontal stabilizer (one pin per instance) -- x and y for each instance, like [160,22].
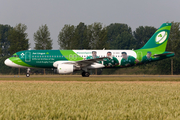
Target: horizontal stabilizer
[164,54]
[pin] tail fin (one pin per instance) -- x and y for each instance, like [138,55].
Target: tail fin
[159,40]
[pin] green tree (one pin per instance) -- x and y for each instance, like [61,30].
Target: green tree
[120,36]
[18,38]
[97,36]
[42,38]
[80,40]
[174,38]
[66,37]
[4,43]
[93,36]
[124,41]
[142,35]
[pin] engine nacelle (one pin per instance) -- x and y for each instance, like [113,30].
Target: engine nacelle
[65,68]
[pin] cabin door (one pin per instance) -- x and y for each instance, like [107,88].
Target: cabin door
[28,56]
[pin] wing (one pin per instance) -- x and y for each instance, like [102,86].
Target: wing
[84,63]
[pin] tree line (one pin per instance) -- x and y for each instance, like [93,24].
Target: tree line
[94,36]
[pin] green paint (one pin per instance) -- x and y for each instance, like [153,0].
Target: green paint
[164,28]
[71,55]
[18,61]
[160,35]
[152,41]
[44,58]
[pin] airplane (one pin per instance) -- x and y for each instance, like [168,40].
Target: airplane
[68,61]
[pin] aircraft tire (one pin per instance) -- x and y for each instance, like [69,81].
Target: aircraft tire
[83,74]
[27,75]
[87,74]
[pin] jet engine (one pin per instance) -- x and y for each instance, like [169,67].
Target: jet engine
[65,68]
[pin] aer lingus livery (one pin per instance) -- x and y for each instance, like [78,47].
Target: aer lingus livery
[67,61]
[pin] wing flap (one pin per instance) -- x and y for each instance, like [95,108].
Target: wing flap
[89,61]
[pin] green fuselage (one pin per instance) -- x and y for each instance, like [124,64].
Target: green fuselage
[46,58]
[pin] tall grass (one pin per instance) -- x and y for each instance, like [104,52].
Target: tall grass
[134,101]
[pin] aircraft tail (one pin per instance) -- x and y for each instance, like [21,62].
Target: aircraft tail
[159,40]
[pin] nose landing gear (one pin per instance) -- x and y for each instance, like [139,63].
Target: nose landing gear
[28,72]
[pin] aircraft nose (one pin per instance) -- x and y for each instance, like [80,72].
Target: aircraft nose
[7,62]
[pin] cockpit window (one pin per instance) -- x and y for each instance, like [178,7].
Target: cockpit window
[15,56]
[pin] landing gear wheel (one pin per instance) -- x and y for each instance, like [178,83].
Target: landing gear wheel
[27,75]
[28,71]
[85,74]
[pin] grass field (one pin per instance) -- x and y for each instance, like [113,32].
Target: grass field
[105,97]
[91,78]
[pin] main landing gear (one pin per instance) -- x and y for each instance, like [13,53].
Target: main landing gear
[28,72]
[85,74]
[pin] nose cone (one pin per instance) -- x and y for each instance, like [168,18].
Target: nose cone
[8,62]
[12,63]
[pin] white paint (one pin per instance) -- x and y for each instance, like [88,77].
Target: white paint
[103,53]
[64,68]
[9,63]
[162,38]
[55,64]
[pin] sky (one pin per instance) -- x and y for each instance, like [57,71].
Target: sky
[57,13]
